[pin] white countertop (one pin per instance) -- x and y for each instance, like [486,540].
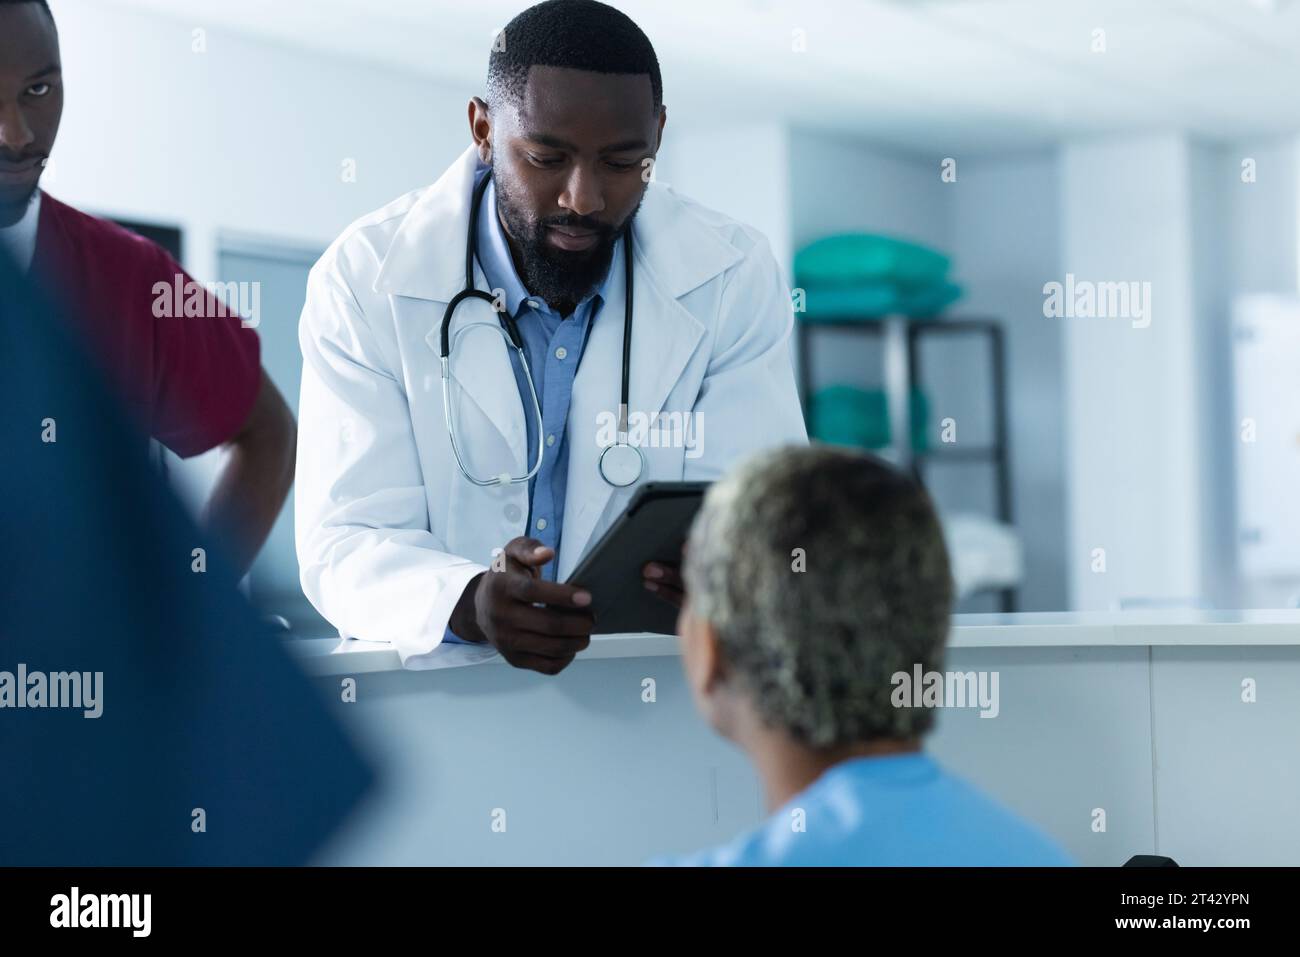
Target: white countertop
[330,656]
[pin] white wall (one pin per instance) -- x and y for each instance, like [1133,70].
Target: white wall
[1133,445]
[248,136]
[1264,249]
[1263,256]
[741,170]
[844,184]
[1212,193]
[1004,237]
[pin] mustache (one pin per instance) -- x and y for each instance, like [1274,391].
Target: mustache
[15,159]
[578,222]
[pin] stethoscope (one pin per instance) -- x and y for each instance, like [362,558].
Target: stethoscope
[621,464]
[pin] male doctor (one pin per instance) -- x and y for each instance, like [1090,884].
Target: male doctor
[406,536]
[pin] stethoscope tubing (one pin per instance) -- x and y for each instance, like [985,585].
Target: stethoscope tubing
[510,330]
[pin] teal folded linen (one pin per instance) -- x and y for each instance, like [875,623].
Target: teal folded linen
[876,299]
[850,259]
[859,418]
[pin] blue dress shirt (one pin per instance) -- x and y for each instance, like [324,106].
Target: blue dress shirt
[554,347]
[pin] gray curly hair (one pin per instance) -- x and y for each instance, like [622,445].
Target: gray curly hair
[814,644]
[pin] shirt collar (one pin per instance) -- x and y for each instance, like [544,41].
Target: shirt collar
[498,265]
[19,240]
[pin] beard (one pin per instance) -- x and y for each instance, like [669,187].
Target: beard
[562,277]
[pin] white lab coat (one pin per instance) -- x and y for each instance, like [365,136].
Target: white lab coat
[388,531]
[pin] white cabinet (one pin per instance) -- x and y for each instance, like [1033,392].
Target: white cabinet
[1266,374]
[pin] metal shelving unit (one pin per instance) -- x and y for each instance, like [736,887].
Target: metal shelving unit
[902,340]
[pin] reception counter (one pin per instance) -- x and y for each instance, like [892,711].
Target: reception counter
[1174,733]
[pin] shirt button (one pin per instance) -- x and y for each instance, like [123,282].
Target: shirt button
[550,439]
[541,524]
[561,352]
[512,513]
[533,303]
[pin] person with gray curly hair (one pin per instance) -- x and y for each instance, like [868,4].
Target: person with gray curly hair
[814,578]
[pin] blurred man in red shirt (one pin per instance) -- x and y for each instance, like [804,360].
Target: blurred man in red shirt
[186,367]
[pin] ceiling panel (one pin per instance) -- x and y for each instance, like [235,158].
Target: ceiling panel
[922,74]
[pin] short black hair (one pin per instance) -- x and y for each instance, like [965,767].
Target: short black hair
[578,34]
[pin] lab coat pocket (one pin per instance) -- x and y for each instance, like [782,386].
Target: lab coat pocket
[666,440]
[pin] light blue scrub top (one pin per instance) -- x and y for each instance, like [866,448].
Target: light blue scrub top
[554,346]
[898,810]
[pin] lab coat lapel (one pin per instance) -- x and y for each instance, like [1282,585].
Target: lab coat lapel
[483,374]
[674,253]
[426,260]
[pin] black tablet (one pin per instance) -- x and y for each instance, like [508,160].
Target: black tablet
[653,528]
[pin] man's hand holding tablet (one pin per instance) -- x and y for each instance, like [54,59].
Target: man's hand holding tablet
[665,580]
[634,573]
[501,607]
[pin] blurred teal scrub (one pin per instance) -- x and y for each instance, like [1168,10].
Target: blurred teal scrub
[895,810]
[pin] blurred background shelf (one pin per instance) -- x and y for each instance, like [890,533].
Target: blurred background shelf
[986,551]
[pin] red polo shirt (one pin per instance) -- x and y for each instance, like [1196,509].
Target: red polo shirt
[187,368]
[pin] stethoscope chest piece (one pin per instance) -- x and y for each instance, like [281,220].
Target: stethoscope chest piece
[621,464]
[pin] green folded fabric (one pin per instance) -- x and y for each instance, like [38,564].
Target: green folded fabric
[850,259]
[875,300]
[859,418]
